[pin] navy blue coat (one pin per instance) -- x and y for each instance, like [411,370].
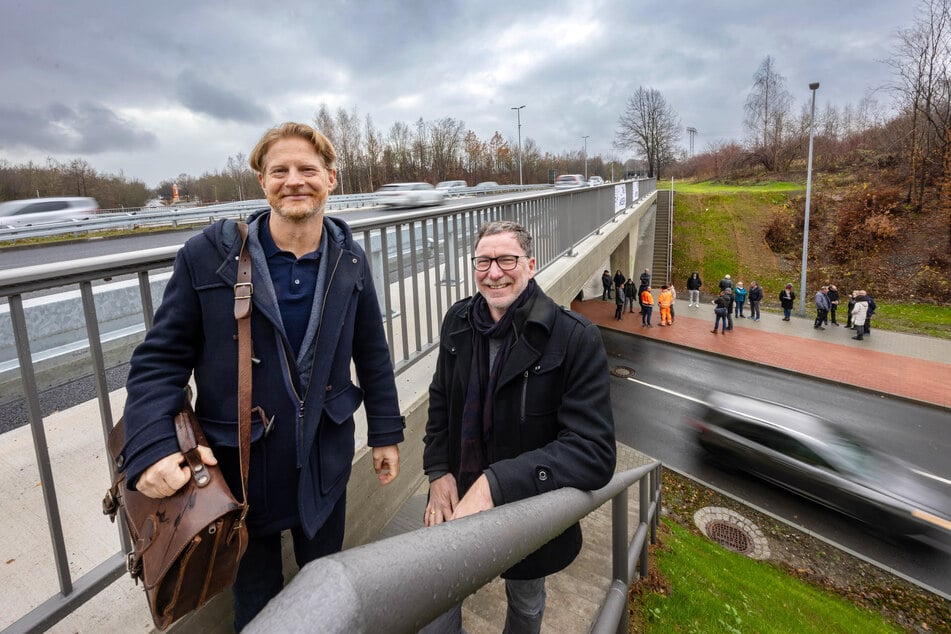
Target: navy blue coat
[552,420]
[301,468]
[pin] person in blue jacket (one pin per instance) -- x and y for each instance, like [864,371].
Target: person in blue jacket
[314,311]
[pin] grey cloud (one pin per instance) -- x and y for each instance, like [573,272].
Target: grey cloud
[201,96]
[90,128]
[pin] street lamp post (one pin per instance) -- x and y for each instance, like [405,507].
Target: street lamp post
[586,156]
[518,116]
[805,231]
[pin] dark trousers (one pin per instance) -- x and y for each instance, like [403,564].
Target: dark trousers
[822,316]
[606,293]
[832,314]
[260,574]
[754,309]
[646,314]
[618,310]
[738,307]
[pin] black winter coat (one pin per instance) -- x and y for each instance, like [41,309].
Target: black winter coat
[552,424]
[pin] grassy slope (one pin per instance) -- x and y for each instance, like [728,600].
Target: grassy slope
[719,229]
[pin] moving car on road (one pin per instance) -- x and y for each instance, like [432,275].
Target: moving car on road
[819,460]
[570,181]
[409,195]
[40,211]
[451,185]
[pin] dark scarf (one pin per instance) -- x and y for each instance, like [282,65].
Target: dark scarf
[476,451]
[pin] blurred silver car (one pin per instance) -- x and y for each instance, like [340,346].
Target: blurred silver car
[452,185]
[570,181]
[409,195]
[594,181]
[819,460]
[39,211]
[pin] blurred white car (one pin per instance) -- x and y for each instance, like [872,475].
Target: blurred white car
[41,211]
[487,185]
[451,185]
[595,180]
[570,181]
[409,195]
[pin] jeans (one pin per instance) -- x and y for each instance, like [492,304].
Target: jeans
[738,307]
[260,573]
[694,297]
[786,313]
[606,293]
[716,324]
[646,314]
[629,303]
[526,607]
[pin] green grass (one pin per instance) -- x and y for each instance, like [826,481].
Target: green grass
[710,187]
[711,589]
[719,229]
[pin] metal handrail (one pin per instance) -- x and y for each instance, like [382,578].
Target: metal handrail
[429,570]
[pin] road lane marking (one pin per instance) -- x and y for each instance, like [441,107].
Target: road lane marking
[667,391]
[932,476]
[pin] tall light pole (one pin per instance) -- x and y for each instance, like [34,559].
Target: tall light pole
[805,231]
[518,116]
[586,156]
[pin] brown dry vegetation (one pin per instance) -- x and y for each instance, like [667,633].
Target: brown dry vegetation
[862,233]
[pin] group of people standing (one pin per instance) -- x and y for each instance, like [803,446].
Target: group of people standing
[860,310]
[625,293]
[731,300]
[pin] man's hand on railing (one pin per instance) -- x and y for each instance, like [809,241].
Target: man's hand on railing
[169,474]
[477,499]
[443,499]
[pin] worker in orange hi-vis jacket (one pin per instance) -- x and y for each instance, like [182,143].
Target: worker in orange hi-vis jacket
[647,307]
[665,300]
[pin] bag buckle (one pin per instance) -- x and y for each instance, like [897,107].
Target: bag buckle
[134,564]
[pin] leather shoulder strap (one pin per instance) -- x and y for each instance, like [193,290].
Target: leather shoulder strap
[243,289]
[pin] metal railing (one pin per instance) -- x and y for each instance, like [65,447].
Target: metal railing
[185,214]
[420,267]
[429,570]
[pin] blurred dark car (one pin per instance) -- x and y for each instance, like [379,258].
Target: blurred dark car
[819,460]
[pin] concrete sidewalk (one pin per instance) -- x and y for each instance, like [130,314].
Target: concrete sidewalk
[908,366]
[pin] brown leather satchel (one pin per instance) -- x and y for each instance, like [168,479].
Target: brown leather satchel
[186,548]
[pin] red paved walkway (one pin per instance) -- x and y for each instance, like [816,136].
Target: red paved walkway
[906,376]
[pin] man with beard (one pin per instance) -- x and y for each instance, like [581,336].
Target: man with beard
[315,311]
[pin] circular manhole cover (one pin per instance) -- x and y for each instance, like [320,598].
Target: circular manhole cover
[622,371]
[732,531]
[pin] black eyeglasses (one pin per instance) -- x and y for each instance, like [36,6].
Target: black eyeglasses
[505,262]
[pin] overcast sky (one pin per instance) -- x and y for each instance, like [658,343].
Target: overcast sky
[155,89]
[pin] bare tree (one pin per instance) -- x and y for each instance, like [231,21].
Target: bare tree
[400,145]
[767,115]
[372,156]
[445,144]
[921,63]
[650,126]
[347,144]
